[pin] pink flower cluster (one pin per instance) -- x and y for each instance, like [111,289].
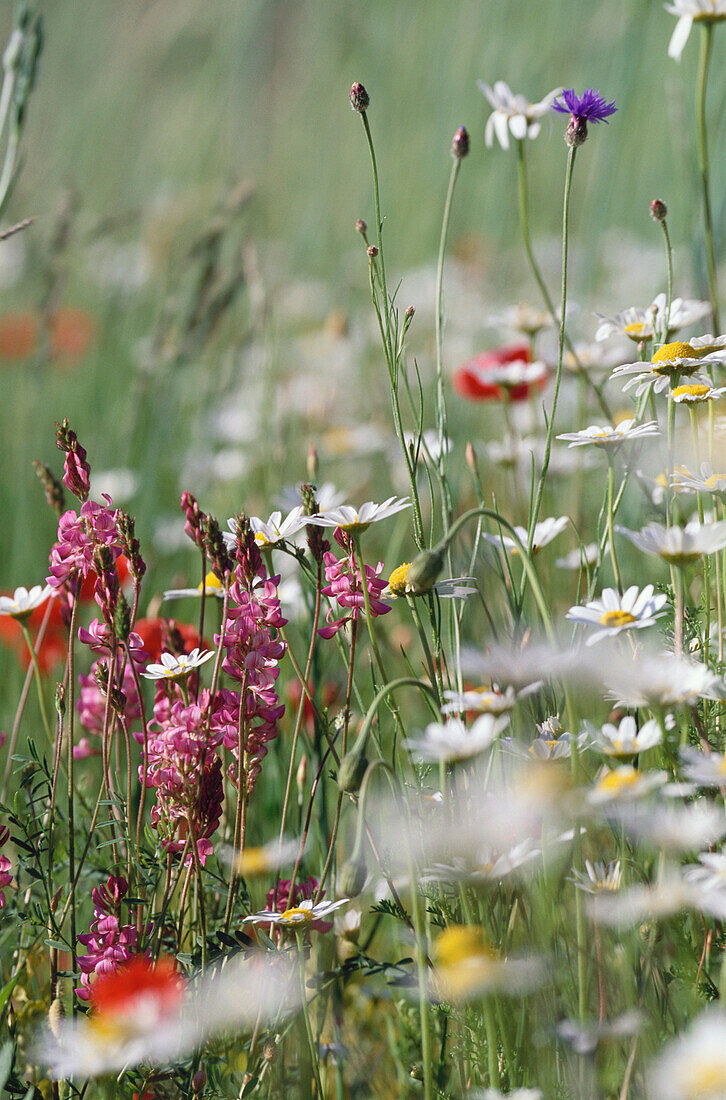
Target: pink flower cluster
[91,703]
[79,535]
[5,876]
[253,653]
[345,584]
[109,942]
[183,766]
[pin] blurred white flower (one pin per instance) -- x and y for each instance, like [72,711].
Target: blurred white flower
[693,1065]
[663,680]
[598,878]
[679,545]
[625,741]
[513,113]
[624,783]
[451,741]
[544,532]
[24,601]
[688,11]
[706,771]
[581,556]
[670,826]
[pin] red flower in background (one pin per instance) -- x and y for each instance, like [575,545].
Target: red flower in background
[499,375]
[166,635]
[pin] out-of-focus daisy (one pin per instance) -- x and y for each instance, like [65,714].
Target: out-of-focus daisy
[666,362]
[511,450]
[611,437]
[551,742]
[624,782]
[585,1038]
[177,666]
[688,12]
[455,588]
[579,557]
[679,545]
[356,520]
[24,601]
[467,968]
[613,613]
[593,358]
[483,700]
[707,771]
[693,1065]
[146,1012]
[637,903]
[598,877]
[451,741]
[326,494]
[669,826]
[513,113]
[521,318]
[495,1094]
[299,916]
[708,482]
[642,324]
[270,857]
[663,680]
[695,392]
[625,741]
[427,444]
[544,532]
[212,587]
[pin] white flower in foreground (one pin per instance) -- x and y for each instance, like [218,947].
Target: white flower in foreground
[637,903]
[669,826]
[679,545]
[709,872]
[148,1013]
[177,666]
[260,861]
[508,376]
[614,613]
[24,601]
[625,741]
[212,587]
[495,1094]
[513,113]
[467,968]
[708,482]
[544,532]
[663,680]
[484,700]
[451,741]
[299,916]
[355,520]
[707,771]
[688,11]
[693,1065]
[611,437]
[667,361]
[270,532]
[580,557]
[598,877]
[624,783]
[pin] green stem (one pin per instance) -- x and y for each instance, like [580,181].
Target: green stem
[669,292]
[423,982]
[703,63]
[306,1015]
[440,399]
[379,219]
[611,533]
[560,350]
[38,679]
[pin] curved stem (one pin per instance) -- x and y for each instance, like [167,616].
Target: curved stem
[703,63]
[611,533]
[669,291]
[440,400]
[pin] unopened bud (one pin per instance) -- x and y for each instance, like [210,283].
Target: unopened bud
[372,251]
[352,769]
[410,310]
[301,774]
[54,494]
[460,143]
[361,227]
[55,1016]
[658,210]
[359,98]
[312,463]
[352,877]
[199,1080]
[416,1073]
[269,1051]
[424,571]
[576,132]
[60,699]
[55,900]
[471,461]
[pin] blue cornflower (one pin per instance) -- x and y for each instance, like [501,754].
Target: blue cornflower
[588,107]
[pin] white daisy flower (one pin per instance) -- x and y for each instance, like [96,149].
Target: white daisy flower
[24,601]
[668,360]
[614,613]
[298,916]
[274,530]
[580,557]
[513,113]
[693,1065]
[638,903]
[642,324]
[697,390]
[484,700]
[495,1094]
[663,680]
[706,771]
[355,520]
[613,437]
[679,545]
[177,666]
[625,740]
[521,318]
[670,826]
[708,482]
[212,587]
[544,532]
[624,783]
[688,12]
[451,741]
[598,877]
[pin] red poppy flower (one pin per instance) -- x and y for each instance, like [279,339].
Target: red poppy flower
[71,332]
[55,640]
[18,335]
[483,379]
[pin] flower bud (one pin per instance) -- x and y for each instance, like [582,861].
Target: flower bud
[60,699]
[658,210]
[361,227]
[301,774]
[372,251]
[471,460]
[424,571]
[54,494]
[576,132]
[352,769]
[359,98]
[460,143]
[410,310]
[312,463]
[352,877]
[199,1080]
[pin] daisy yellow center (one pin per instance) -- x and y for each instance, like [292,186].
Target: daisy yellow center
[253,861]
[698,392]
[617,618]
[668,356]
[398,578]
[211,581]
[707,1079]
[709,17]
[635,330]
[459,942]
[620,780]
[714,479]
[297,916]
[262,540]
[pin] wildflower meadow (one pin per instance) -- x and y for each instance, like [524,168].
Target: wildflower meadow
[363,620]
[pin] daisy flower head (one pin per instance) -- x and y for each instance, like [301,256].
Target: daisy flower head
[635,323]
[544,532]
[467,968]
[451,741]
[624,783]
[212,586]
[483,700]
[706,771]
[24,601]
[299,916]
[680,546]
[708,482]
[580,557]
[667,826]
[356,520]
[588,107]
[663,680]
[611,438]
[454,588]
[669,360]
[625,741]
[613,613]
[272,531]
[696,391]
[598,877]
[693,1065]
[688,12]
[177,666]
[513,113]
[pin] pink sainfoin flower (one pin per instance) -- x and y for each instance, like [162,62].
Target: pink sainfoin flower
[91,703]
[76,471]
[5,876]
[345,584]
[253,653]
[100,639]
[79,536]
[279,899]
[183,766]
[109,942]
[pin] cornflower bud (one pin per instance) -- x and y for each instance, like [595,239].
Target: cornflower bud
[460,143]
[576,132]
[359,98]
[658,210]
[54,494]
